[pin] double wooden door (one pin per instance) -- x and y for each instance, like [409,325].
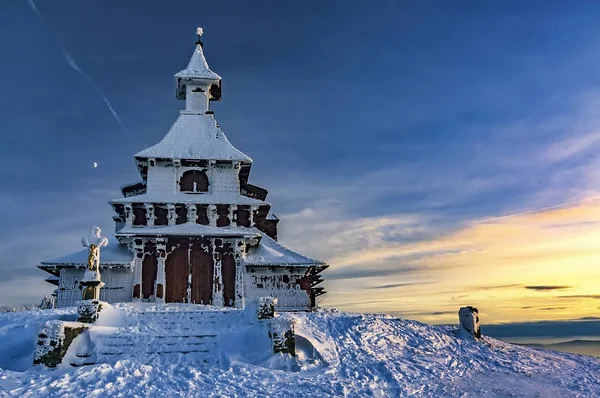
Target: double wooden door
[189,271]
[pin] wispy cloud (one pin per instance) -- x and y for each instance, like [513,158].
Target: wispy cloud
[500,287]
[393,286]
[358,273]
[581,296]
[543,288]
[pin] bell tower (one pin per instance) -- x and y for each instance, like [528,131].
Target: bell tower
[197,84]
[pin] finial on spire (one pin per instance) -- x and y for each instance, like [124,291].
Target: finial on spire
[200,32]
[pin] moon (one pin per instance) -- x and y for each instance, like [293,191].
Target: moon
[95,164]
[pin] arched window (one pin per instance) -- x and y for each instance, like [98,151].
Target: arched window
[193,181]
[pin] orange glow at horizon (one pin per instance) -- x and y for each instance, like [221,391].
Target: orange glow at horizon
[531,266]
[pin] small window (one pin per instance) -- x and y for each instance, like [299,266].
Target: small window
[223,216]
[139,215]
[161,215]
[194,181]
[181,214]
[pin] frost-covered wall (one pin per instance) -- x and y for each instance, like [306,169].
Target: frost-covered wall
[68,292]
[279,282]
[161,179]
[118,286]
[164,178]
[224,178]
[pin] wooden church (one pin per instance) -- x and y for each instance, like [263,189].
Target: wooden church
[193,229]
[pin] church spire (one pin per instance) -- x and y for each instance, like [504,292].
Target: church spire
[199,32]
[197,84]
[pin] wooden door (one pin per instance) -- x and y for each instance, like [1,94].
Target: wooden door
[202,272]
[149,270]
[228,274]
[177,271]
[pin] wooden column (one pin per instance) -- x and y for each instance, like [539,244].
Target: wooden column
[138,249]
[149,214]
[217,278]
[211,212]
[239,248]
[252,210]
[191,212]
[161,250]
[171,214]
[128,215]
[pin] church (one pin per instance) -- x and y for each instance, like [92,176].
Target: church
[194,229]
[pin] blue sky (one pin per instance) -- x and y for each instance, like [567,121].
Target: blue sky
[379,128]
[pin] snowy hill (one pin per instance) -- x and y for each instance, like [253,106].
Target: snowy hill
[340,354]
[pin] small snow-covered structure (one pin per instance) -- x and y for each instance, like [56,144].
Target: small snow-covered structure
[469,320]
[194,230]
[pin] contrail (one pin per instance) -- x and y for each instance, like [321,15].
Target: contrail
[538,210]
[76,68]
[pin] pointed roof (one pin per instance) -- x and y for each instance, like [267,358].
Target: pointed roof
[269,252]
[114,254]
[195,136]
[198,68]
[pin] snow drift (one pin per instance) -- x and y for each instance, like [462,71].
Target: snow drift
[339,354]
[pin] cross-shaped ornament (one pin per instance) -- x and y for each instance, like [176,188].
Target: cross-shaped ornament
[91,283]
[199,32]
[94,242]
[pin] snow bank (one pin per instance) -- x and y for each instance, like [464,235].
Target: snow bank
[18,334]
[340,354]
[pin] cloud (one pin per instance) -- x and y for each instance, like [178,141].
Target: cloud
[459,297]
[395,285]
[436,313]
[361,273]
[581,296]
[424,313]
[573,146]
[547,288]
[500,287]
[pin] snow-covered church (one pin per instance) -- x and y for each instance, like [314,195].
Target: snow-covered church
[194,230]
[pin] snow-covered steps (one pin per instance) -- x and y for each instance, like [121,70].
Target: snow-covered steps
[111,348]
[149,332]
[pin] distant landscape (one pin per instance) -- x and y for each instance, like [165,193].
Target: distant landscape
[583,346]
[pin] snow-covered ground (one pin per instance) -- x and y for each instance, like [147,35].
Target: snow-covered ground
[340,354]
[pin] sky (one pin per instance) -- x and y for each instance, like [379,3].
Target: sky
[436,154]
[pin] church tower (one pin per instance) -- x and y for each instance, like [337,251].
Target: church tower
[195,229]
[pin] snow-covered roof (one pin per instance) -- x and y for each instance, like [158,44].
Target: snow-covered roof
[270,252]
[198,68]
[195,136]
[115,254]
[188,229]
[201,198]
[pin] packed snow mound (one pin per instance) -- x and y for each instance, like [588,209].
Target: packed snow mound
[340,354]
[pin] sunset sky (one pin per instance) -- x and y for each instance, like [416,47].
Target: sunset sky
[435,154]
